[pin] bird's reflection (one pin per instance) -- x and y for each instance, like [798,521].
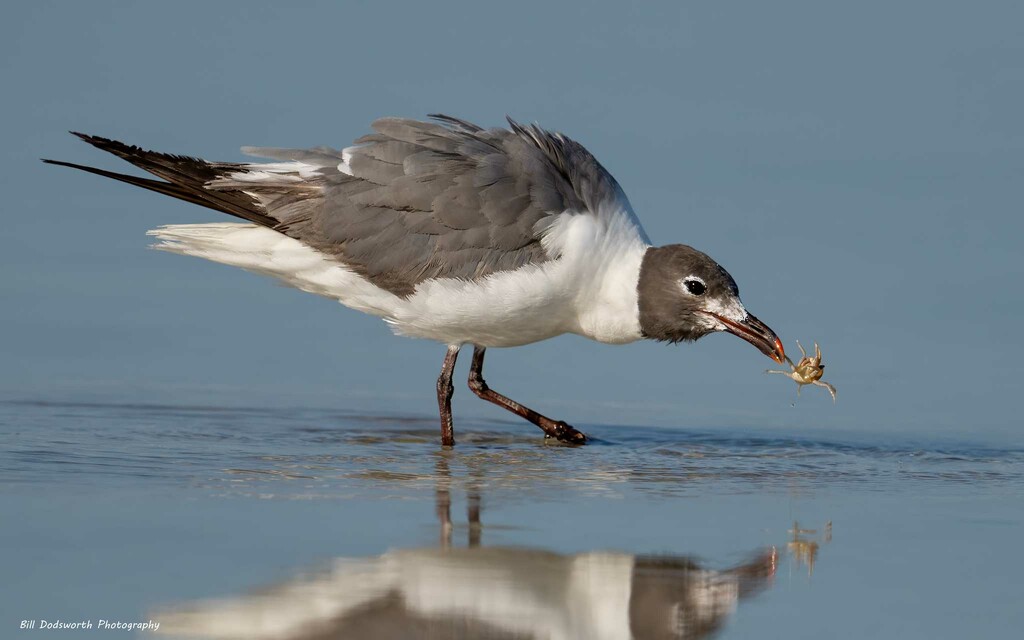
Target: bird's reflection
[472,591]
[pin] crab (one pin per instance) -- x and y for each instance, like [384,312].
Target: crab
[807,371]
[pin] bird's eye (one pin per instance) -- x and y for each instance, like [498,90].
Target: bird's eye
[695,286]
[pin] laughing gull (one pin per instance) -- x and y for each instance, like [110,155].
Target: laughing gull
[454,233]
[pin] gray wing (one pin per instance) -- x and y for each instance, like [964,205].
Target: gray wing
[418,200]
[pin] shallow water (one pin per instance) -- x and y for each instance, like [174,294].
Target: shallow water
[221,522]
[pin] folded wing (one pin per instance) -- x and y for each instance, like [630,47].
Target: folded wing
[411,201]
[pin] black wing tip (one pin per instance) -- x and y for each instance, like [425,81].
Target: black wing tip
[96,141]
[106,144]
[62,163]
[130,151]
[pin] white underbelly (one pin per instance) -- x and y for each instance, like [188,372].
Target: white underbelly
[505,309]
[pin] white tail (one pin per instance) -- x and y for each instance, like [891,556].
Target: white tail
[265,251]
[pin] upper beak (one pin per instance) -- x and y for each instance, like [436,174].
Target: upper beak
[756,333]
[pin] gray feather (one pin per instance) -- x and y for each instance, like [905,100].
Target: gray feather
[432,200]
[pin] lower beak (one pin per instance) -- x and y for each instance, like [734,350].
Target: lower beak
[756,333]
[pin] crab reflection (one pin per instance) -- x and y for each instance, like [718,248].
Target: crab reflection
[485,592]
[804,550]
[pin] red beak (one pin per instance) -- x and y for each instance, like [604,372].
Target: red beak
[756,333]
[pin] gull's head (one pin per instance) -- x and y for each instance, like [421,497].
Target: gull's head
[685,295]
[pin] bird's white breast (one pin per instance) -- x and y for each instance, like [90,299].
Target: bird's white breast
[590,289]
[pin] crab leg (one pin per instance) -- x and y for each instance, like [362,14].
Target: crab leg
[819,383]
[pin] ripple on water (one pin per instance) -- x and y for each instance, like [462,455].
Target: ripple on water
[324,453]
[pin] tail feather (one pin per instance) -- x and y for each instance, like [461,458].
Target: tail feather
[184,178]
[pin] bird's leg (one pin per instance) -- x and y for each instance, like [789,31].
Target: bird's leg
[445,389]
[552,429]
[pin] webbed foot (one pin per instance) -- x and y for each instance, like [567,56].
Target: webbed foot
[564,432]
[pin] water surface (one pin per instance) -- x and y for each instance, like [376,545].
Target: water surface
[224,522]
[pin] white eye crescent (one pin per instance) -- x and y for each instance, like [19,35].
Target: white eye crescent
[694,285]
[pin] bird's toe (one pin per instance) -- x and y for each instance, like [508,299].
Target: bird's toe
[564,432]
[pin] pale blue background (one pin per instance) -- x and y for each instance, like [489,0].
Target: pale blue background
[856,166]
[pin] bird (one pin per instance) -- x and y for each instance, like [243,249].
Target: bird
[448,231]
